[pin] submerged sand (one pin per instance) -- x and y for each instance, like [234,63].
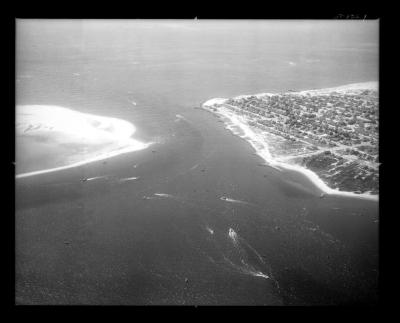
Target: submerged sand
[69,137]
[165,238]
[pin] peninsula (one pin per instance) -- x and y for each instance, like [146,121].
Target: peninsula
[332,132]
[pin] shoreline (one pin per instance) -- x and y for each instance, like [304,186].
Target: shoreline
[251,137]
[64,126]
[373,85]
[83,162]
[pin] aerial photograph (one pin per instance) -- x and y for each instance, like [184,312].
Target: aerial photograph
[197,162]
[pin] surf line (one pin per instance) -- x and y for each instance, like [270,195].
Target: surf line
[252,138]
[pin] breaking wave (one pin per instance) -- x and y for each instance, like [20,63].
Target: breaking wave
[238,126]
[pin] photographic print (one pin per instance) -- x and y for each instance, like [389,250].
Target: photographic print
[196,162]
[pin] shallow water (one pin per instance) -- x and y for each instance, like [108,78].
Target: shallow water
[103,242]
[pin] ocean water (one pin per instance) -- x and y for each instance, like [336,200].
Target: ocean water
[104,243]
[165,67]
[104,66]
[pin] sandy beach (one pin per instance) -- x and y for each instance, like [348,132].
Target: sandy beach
[87,138]
[234,122]
[138,241]
[196,216]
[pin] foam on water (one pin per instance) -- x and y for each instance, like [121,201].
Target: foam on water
[245,267]
[227,199]
[163,195]
[238,126]
[211,231]
[128,179]
[233,235]
[194,167]
[211,102]
[260,274]
[96,177]
[180,117]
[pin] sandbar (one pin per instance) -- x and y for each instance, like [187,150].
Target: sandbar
[84,138]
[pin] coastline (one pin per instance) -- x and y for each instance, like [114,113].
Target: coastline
[83,162]
[134,229]
[91,138]
[255,141]
[373,85]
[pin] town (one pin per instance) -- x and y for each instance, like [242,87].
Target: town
[334,134]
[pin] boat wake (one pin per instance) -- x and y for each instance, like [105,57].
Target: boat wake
[96,177]
[163,195]
[244,259]
[180,117]
[229,251]
[211,231]
[227,199]
[128,179]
